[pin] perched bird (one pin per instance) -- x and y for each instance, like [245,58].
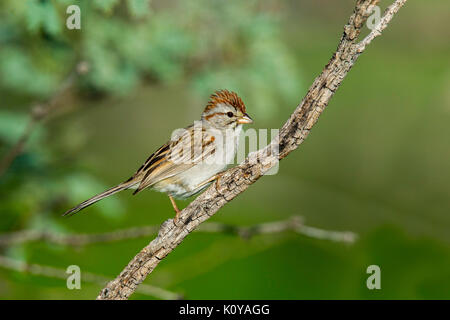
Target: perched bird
[193,158]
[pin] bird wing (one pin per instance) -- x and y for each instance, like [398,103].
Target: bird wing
[183,152]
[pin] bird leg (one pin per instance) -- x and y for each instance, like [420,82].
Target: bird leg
[172,200]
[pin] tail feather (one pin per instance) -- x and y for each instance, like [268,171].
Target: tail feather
[98,197]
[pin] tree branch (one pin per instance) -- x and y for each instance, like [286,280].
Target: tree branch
[235,180]
[294,224]
[51,272]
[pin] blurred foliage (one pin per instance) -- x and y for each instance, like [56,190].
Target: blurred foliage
[376,163]
[218,44]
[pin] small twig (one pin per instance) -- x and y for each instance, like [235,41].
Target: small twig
[38,113]
[293,224]
[382,24]
[51,272]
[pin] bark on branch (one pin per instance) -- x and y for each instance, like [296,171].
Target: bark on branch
[238,179]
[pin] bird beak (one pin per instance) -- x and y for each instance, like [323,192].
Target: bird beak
[245,119]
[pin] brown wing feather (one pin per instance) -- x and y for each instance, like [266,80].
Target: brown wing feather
[171,159]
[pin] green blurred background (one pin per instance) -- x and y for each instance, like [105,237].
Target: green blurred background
[377,163]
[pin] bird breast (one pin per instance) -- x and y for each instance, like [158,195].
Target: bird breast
[190,181]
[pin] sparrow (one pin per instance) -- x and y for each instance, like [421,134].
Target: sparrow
[193,158]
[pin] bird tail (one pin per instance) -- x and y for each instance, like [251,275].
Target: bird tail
[98,197]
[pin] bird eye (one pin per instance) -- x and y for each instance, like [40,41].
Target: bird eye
[229,114]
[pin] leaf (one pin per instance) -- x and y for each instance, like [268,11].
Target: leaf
[17,72]
[105,5]
[33,16]
[42,14]
[12,125]
[138,8]
[50,19]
